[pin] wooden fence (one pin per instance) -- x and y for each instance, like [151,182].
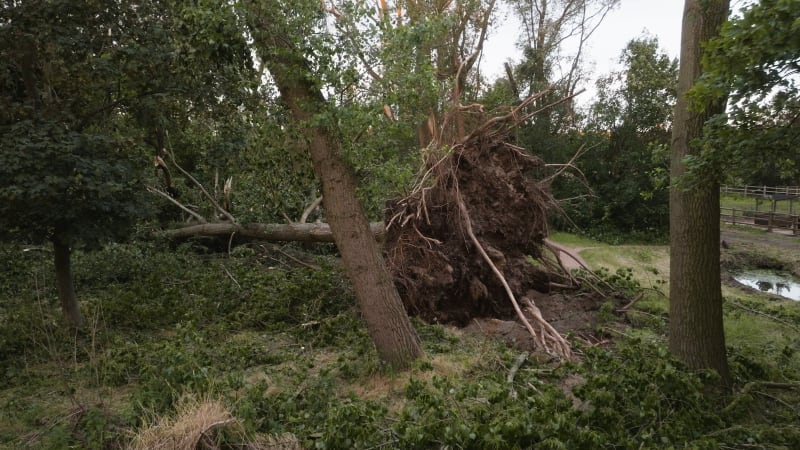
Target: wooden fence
[770,220]
[761,191]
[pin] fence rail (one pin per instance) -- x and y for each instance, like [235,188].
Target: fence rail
[761,191]
[770,220]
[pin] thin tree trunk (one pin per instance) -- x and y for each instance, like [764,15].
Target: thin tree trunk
[66,290]
[294,232]
[696,329]
[387,321]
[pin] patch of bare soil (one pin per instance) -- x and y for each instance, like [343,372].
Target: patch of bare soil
[567,313]
[766,238]
[752,250]
[479,212]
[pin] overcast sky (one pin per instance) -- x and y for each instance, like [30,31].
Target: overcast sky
[632,18]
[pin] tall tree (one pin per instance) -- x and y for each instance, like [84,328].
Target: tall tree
[549,27]
[696,329]
[67,174]
[627,168]
[80,83]
[281,30]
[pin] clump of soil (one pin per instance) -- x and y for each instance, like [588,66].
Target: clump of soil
[565,312]
[442,277]
[482,189]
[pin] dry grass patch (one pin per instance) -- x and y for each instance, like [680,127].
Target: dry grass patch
[203,425]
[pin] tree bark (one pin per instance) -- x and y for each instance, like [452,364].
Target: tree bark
[696,328]
[295,232]
[387,321]
[66,290]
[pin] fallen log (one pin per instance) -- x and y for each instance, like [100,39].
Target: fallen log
[299,232]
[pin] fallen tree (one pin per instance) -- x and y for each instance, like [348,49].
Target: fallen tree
[273,232]
[469,241]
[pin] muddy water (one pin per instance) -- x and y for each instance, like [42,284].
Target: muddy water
[772,282]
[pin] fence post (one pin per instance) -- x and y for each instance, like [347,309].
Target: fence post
[769,222]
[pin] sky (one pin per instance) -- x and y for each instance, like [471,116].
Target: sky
[629,20]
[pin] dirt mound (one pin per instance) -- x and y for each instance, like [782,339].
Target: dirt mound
[440,273]
[566,313]
[469,241]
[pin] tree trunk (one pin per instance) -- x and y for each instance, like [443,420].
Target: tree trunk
[696,329]
[388,323]
[66,291]
[294,232]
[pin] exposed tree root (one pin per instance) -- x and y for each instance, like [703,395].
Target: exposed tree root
[469,240]
[548,334]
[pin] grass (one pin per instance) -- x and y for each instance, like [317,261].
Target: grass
[574,240]
[750,203]
[743,327]
[245,349]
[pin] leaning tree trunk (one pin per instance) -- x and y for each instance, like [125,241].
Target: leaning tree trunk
[66,290]
[388,323]
[696,329]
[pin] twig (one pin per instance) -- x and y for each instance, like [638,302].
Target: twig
[231,277]
[202,188]
[310,209]
[754,384]
[204,436]
[199,218]
[548,330]
[555,250]
[302,263]
[230,242]
[631,303]
[570,164]
[513,372]
[776,399]
[755,311]
[512,116]
[657,317]
[550,105]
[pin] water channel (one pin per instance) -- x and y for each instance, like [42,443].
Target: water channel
[770,281]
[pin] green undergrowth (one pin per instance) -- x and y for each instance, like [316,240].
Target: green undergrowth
[284,348]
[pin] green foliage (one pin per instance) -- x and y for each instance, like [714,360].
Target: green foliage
[642,397]
[642,95]
[92,87]
[627,139]
[94,91]
[97,429]
[287,352]
[754,60]
[622,279]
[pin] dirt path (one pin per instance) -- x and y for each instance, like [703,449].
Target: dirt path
[766,238]
[569,257]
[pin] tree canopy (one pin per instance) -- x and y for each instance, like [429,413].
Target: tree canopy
[90,87]
[756,58]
